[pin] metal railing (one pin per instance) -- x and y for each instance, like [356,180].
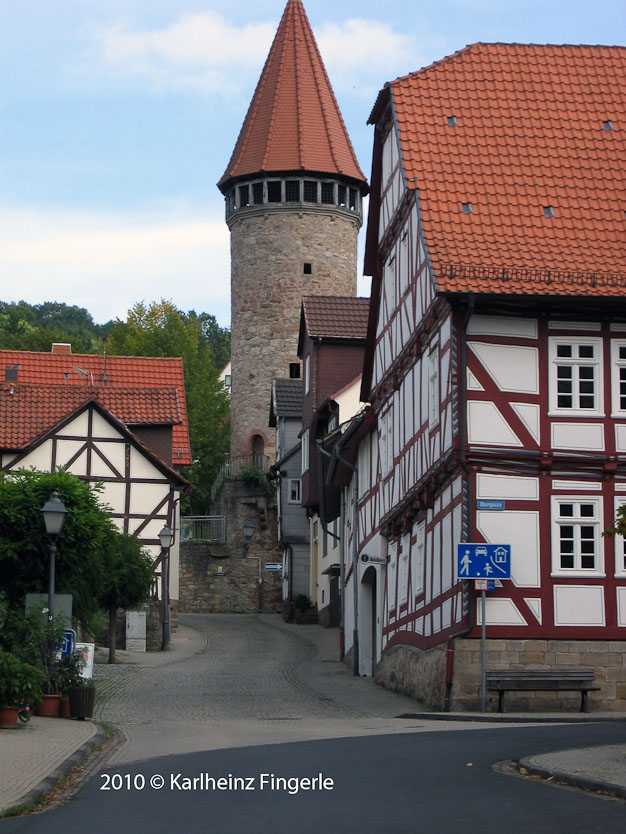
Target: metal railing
[232,467]
[208,528]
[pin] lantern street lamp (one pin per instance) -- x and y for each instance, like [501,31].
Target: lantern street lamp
[54,513]
[166,537]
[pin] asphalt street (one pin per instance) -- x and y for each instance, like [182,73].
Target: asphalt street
[254,726]
[427,783]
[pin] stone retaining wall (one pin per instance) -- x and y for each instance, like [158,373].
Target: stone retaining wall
[419,674]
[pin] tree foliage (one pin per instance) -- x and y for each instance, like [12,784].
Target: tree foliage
[26,326]
[95,563]
[160,329]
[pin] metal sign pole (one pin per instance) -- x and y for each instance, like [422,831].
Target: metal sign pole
[484,653]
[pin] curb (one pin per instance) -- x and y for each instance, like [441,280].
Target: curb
[503,718]
[584,782]
[50,781]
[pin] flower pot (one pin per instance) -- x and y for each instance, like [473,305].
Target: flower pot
[82,699]
[49,706]
[8,717]
[65,708]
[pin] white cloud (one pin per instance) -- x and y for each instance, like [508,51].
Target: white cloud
[106,263]
[206,53]
[360,55]
[200,51]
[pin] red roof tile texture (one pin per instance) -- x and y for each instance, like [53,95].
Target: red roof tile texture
[29,411]
[335,317]
[533,138]
[293,122]
[136,389]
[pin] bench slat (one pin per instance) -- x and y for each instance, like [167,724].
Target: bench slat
[562,680]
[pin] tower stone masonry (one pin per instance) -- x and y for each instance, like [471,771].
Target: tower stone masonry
[293,191]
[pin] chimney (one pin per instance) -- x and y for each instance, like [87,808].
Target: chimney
[61,347]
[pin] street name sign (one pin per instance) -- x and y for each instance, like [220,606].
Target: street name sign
[483,561]
[490,504]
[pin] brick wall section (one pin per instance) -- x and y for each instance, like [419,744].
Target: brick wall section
[268,251]
[204,589]
[606,658]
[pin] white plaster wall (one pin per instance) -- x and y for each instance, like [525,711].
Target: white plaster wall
[579,605]
[77,427]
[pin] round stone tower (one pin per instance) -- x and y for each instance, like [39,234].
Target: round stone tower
[293,190]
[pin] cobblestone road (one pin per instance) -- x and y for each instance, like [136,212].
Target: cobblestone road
[234,680]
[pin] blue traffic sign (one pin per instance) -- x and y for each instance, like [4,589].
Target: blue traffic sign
[483,561]
[69,642]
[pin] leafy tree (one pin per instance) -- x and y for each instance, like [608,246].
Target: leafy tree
[24,544]
[163,330]
[26,326]
[128,576]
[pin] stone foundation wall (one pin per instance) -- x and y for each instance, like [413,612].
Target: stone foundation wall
[419,674]
[606,658]
[217,577]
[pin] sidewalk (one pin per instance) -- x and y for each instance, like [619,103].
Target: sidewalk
[34,756]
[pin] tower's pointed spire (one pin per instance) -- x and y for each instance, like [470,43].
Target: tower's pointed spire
[293,123]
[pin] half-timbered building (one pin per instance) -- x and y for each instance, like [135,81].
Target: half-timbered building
[330,345]
[118,421]
[496,368]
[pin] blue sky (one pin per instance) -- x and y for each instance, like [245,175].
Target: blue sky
[117,118]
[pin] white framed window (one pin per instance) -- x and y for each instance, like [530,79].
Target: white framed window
[307,374]
[403,569]
[389,279]
[385,448]
[305,451]
[433,388]
[575,376]
[417,558]
[364,464]
[618,378]
[295,491]
[620,543]
[577,536]
[392,568]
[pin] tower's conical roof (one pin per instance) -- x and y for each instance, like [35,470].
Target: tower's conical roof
[293,123]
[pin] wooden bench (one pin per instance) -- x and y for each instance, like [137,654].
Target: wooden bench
[527,680]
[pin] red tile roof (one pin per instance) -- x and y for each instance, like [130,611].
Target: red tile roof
[136,389]
[29,411]
[335,317]
[519,132]
[294,122]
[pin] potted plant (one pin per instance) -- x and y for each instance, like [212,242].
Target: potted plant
[82,697]
[68,675]
[303,610]
[20,684]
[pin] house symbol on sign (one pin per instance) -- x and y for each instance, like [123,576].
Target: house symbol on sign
[500,555]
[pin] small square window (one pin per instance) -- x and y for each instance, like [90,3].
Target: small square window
[292,191]
[244,195]
[607,125]
[274,188]
[307,269]
[341,195]
[353,199]
[548,211]
[294,370]
[467,208]
[451,121]
[257,193]
[310,191]
[328,192]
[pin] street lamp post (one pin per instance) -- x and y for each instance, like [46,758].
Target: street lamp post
[166,537]
[248,531]
[54,513]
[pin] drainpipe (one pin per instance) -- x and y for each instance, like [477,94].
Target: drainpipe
[468,509]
